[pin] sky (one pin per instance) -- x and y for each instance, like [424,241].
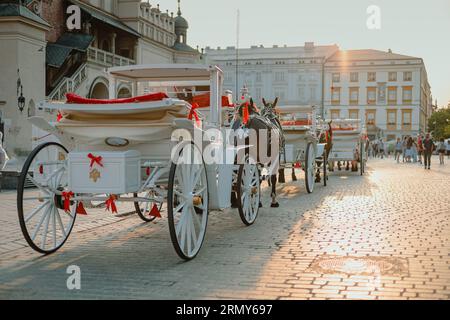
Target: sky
[419,28]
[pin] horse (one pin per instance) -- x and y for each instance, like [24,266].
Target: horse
[249,117]
[326,137]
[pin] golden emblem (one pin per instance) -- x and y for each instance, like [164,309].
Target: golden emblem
[61,156]
[94,175]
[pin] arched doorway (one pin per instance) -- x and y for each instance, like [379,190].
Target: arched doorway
[99,89]
[31,109]
[124,92]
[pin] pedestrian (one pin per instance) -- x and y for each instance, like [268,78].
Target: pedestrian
[405,141]
[3,156]
[428,146]
[447,143]
[398,149]
[420,147]
[441,149]
[409,151]
[414,151]
[381,148]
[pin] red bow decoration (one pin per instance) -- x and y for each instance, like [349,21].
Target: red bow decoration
[67,196]
[111,204]
[59,117]
[245,113]
[147,171]
[194,114]
[81,210]
[95,160]
[41,169]
[155,212]
[297,165]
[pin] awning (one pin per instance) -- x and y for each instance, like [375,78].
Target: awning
[56,54]
[78,41]
[104,17]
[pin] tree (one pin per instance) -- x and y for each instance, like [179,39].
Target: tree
[439,124]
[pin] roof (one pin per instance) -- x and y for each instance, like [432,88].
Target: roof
[16,10]
[367,54]
[181,23]
[56,54]
[183,47]
[75,40]
[104,17]
[164,72]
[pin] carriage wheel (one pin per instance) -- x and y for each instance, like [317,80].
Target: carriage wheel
[248,193]
[310,167]
[187,203]
[325,169]
[43,220]
[143,209]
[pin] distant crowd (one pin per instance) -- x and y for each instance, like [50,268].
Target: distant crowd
[417,149]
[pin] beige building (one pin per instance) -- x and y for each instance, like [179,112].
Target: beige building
[389,92]
[51,60]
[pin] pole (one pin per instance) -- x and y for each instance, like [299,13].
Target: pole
[237,54]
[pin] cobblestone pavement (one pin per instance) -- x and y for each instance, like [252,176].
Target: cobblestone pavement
[381,236]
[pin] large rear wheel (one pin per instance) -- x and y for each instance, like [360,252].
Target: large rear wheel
[248,193]
[310,167]
[187,203]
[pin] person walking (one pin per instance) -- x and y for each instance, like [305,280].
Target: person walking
[428,146]
[441,149]
[398,149]
[405,141]
[420,147]
[447,144]
[381,148]
[414,151]
[409,145]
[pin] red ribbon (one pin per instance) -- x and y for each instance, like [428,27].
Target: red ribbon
[245,113]
[155,212]
[95,160]
[67,196]
[298,165]
[41,169]
[147,171]
[81,210]
[194,114]
[59,117]
[111,204]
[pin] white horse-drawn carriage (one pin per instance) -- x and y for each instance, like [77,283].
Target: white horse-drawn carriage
[141,151]
[349,144]
[302,130]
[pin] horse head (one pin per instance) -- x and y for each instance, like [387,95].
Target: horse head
[270,108]
[247,110]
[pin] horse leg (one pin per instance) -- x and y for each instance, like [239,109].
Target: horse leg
[273,179]
[339,166]
[294,177]
[318,177]
[347,166]
[282,177]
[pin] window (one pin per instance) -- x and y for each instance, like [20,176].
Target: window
[371,95]
[392,95]
[335,114]
[281,94]
[354,77]
[301,93]
[354,95]
[392,76]
[300,77]
[407,76]
[336,95]
[391,119]
[406,119]
[313,92]
[370,117]
[407,95]
[258,77]
[258,92]
[279,76]
[371,76]
[336,77]
[353,114]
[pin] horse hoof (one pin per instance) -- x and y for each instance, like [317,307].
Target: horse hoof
[275,205]
[294,178]
[260,205]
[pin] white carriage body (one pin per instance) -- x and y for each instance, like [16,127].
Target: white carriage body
[146,126]
[300,129]
[348,135]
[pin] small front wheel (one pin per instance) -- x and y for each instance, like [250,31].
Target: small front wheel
[248,193]
[310,167]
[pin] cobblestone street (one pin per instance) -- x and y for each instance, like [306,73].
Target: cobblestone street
[382,236]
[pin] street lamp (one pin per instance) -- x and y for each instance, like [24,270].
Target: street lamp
[21,100]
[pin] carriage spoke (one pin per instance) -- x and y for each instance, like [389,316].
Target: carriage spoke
[199,192]
[44,234]
[61,225]
[54,226]
[35,211]
[41,221]
[42,188]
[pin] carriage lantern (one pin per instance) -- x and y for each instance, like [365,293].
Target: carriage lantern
[21,100]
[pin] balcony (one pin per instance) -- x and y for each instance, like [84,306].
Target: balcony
[107,59]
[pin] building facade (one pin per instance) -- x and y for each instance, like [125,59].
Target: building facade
[51,60]
[293,74]
[389,92]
